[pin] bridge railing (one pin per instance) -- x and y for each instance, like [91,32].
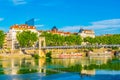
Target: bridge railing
[79,46]
[74,47]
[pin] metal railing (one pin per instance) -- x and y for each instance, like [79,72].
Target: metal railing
[79,46]
[74,47]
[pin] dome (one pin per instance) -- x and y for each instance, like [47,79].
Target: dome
[54,28]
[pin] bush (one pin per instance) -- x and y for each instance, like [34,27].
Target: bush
[48,55]
[90,49]
[36,56]
[115,48]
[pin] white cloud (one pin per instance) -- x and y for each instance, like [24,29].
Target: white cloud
[107,22]
[98,25]
[19,2]
[40,25]
[70,28]
[109,30]
[1,19]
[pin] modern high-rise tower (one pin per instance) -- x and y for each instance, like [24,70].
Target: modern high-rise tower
[30,22]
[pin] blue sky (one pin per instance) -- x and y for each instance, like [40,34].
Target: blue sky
[103,16]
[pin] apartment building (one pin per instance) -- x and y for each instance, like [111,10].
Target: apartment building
[86,33]
[12,42]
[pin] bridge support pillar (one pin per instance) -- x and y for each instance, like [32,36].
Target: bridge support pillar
[41,44]
[41,53]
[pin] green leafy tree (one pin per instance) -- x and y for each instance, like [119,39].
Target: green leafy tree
[78,40]
[27,38]
[89,39]
[111,39]
[58,40]
[2,37]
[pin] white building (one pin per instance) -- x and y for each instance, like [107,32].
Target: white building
[86,33]
[11,35]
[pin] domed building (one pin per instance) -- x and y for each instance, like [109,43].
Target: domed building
[86,33]
[54,29]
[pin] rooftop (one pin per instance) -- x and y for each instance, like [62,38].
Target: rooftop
[22,26]
[86,31]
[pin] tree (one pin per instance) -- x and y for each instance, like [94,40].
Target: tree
[78,40]
[111,39]
[59,40]
[27,38]
[2,37]
[89,39]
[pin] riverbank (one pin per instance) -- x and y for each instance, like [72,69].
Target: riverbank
[60,53]
[15,56]
[78,53]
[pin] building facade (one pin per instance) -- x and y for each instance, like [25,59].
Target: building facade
[12,42]
[86,33]
[55,30]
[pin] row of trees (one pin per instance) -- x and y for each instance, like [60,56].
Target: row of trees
[58,40]
[54,39]
[112,39]
[28,38]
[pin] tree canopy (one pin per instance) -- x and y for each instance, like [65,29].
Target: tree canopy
[112,39]
[58,40]
[2,37]
[26,38]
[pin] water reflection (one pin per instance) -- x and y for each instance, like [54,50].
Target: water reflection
[81,61]
[22,66]
[46,67]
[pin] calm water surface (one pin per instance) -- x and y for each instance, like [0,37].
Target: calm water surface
[59,69]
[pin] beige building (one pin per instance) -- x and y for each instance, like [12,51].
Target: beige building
[55,30]
[11,35]
[86,33]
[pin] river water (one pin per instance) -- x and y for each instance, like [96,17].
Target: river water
[59,69]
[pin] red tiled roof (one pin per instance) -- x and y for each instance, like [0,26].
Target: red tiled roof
[22,26]
[67,33]
[88,31]
[59,32]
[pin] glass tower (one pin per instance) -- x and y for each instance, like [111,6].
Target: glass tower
[30,22]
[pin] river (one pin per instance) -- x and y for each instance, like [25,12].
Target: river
[59,69]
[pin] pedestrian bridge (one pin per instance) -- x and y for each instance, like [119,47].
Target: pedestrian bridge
[43,49]
[73,47]
[67,49]
[42,45]
[79,46]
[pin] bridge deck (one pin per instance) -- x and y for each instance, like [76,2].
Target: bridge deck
[79,46]
[76,47]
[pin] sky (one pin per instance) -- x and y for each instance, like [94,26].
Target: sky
[102,16]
